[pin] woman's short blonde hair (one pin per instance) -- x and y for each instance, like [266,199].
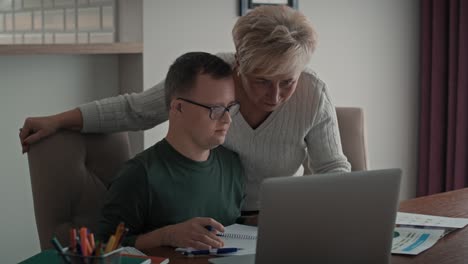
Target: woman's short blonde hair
[272,40]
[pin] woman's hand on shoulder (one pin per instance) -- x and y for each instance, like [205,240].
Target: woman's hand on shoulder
[36,128]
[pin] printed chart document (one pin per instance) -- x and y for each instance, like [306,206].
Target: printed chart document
[243,237]
[415,233]
[412,241]
[430,220]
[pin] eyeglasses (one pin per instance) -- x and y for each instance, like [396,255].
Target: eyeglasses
[217,111]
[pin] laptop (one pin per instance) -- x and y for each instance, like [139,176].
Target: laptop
[326,218]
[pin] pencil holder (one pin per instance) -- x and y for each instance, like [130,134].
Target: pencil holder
[112,257]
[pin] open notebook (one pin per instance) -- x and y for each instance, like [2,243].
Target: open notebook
[237,236]
[240,236]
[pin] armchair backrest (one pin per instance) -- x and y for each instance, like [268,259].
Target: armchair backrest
[69,175]
[353,136]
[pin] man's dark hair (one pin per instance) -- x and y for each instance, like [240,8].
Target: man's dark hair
[182,74]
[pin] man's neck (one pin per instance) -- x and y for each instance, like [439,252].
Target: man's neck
[187,147]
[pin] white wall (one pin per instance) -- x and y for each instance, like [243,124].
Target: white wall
[367,54]
[171,28]
[35,86]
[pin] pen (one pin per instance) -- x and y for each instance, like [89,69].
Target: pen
[211,251]
[118,233]
[84,241]
[97,251]
[73,239]
[89,246]
[78,246]
[125,232]
[210,228]
[91,241]
[110,244]
[60,249]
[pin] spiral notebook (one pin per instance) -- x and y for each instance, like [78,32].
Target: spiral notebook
[240,236]
[243,237]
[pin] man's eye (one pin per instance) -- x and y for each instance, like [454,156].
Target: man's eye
[232,105]
[217,109]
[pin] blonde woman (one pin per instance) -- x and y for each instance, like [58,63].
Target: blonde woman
[286,114]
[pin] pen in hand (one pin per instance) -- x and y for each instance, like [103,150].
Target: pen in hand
[214,251]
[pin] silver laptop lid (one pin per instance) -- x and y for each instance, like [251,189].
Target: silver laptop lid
[328,218]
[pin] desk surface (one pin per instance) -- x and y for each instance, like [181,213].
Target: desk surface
[452,249]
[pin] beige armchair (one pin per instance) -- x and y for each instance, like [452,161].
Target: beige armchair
[353,136]
[69,175]
[70,172]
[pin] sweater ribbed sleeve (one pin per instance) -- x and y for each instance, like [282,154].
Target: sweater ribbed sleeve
[136,111]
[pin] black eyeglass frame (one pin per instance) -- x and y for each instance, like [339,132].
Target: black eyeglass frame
[212,108]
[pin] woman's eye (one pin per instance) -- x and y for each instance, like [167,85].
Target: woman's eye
[286,83]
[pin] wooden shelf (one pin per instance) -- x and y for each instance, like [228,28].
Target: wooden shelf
[33,49]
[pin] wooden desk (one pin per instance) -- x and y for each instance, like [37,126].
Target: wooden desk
[452,249]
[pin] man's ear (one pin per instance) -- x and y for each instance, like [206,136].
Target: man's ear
[176,105]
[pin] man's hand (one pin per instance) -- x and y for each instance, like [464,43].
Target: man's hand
[193,233]
[35,129]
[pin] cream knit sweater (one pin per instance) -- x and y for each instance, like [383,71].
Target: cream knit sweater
[305,125]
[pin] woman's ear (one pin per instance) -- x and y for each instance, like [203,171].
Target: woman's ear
[236,67]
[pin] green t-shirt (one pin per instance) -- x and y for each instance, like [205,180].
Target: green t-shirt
[162,187]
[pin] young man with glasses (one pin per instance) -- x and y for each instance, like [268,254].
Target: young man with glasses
[171,192]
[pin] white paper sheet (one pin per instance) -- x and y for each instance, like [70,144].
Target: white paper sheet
[430,220]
